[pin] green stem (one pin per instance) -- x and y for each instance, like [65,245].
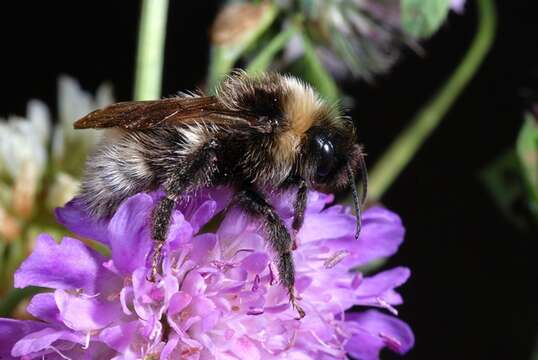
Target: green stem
[150,54]
[14,297]
[262,61]
[426,120]
[316,74]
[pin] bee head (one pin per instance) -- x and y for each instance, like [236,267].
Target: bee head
[308,138]
[329,151]
[331,157]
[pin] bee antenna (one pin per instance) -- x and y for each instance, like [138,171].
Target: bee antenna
[364,179]
[356,202]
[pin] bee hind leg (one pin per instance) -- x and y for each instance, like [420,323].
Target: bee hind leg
[278,236]
[196,172]
[159,230]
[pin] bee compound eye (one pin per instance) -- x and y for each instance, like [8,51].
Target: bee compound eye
[326,156]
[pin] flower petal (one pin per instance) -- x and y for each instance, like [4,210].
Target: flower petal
[12,330]
[255,262]
[178,302]
[43,339]
[199,208]
[203,214]
[43,306]
[244,348]
[374,331]
[381,235]
[68,265]
[377,285]
[169,348]
[83,313]
[323,226]
[202,245]
[119,337]
[76,219]
[233,224]
[129,231]
[180,232]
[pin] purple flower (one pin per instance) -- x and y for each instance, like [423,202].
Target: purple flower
[218,297]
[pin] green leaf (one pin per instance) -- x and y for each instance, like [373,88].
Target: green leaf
[534,355]
[371,266]
[3,246]
[14,297]
[504,181]
[422,18]
[527,152]
[16,254]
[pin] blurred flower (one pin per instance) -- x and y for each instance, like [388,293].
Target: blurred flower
[37,173]
[69,146]
[23,155]
[358,37]
[218,297]
[361,37]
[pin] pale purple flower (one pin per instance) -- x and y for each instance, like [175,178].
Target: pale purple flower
[457,5]
[218,297]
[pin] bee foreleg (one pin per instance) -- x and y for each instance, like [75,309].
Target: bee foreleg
[254,203]
[298,209]
[198,171]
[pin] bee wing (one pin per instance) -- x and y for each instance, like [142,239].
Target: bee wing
[164,113]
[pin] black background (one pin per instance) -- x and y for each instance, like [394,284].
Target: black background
[473,292]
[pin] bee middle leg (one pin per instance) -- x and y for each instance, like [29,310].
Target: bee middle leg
[280,240]
[196,172]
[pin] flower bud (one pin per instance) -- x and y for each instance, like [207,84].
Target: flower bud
[9,227]
[239,21]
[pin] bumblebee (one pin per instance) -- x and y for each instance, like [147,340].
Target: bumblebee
[264,132]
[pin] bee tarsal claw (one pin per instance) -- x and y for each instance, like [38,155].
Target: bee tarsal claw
[299,310]
[156,262]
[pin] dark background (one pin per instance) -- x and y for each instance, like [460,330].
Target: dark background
[473,292]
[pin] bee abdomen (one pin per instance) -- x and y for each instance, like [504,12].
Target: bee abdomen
[114,172]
